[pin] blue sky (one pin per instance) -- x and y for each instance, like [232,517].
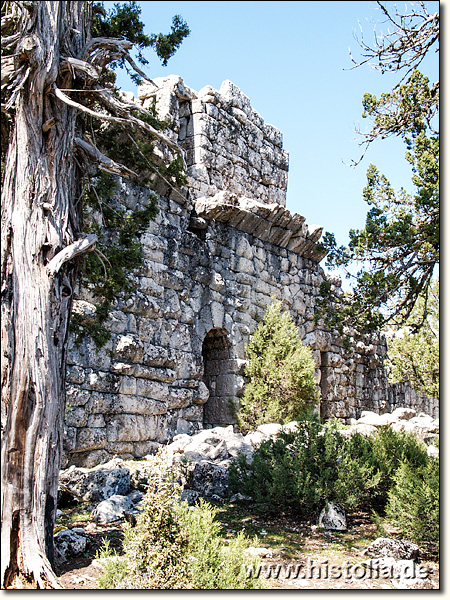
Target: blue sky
[292,60]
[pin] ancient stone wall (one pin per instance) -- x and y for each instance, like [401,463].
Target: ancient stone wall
[214,258]
[227,144]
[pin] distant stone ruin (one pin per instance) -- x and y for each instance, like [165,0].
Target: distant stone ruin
[218,253]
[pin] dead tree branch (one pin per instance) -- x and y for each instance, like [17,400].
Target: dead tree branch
[413,36]
[104,163]
[81,246]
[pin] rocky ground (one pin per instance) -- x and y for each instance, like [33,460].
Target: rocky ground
[285,540]
[96,503]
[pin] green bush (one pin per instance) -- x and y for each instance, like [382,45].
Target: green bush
[174,546]
[280,373]
[300,471]
[114,568]
[213,562]
[414,502]
[389,450]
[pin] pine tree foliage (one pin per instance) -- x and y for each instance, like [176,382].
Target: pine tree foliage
[414,356]
[396,254]
[414,503]
[64,125]
[280,372]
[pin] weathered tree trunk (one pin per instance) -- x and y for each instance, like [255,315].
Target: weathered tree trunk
[39,219]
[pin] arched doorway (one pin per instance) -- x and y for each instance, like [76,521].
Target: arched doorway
[220,377]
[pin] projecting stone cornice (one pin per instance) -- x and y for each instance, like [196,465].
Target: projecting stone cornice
[271,223]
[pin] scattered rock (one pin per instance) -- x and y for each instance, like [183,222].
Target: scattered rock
[269,429]
[113,509]
[140,472]
[240,498]
[397,549]
[402,414]
[179,443]
[70,543]
[405,573]
[209,451]
[210,480]
[254,438]
[401,419]
[290,427]
[333,517]
[97,484]
[207,456]
[371,418]
[433,451]
[136,497]
[66,497]
[363,429]
[190,496]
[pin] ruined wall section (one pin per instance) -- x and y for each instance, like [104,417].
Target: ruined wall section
[227,144]
[215,257]
[148,382]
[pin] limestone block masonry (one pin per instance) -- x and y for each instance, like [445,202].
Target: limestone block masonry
[218,253]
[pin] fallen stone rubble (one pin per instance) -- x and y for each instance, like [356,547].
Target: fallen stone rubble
[114,490]
[401,419]
[399,558]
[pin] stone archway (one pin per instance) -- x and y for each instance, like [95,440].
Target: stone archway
[220,377]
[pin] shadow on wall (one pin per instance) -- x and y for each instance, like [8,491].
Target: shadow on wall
[220,377]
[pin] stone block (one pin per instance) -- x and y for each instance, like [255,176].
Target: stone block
[193,413]
[70,543]
[91,438]
[130,349]
[76,396]
[201,395]
[155,373]
[139,405]
[158,356]
[179,398]
[75,374]
[152,389]
[131,428]
[96,421]
[103,382]
[76,417]
[70,439]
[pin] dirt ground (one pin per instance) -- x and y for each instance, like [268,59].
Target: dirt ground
[318,559]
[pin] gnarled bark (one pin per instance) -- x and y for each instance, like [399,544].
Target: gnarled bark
[39,220]
[50,50]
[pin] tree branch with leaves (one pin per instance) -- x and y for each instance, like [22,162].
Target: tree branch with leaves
[59,106]
[396,254]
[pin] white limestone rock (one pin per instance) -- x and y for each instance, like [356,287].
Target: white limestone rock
[403,414]
[97,484]
[397,549]
[111,510]
[433,451]
[269,429]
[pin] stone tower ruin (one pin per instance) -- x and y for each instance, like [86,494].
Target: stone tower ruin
[214,258]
